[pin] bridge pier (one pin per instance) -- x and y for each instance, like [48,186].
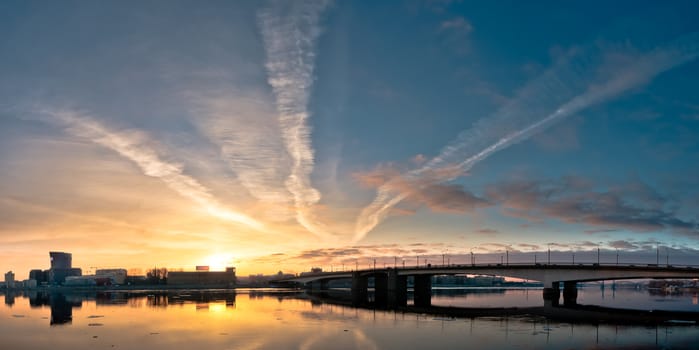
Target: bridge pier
[317,286]
[552,294]
[360,287]
[397,289]
[380,288]
[570,293]
[423,290]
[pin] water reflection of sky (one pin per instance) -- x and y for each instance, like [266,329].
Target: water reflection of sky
[251,320]
[624,298]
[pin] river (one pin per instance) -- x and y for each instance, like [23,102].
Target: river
[288,319]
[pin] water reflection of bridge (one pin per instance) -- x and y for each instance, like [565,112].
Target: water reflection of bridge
[390,284]
[587,314]
[62,304]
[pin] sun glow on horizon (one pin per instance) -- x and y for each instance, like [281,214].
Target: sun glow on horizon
[219,261]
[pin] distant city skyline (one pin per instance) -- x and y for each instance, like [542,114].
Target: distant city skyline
[284,135]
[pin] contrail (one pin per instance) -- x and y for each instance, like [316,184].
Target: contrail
[245,128]
[460,156]
[290,30]
[132,146]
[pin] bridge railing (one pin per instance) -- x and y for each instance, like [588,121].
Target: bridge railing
[514,264]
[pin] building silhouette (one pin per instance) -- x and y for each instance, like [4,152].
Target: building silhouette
[10,280]
[203,278]
[61,267]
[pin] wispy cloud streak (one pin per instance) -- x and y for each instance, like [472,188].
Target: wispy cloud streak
[567,88]
[290,30]
[133,146]
[245,129]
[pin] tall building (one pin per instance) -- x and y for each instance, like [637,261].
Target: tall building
[10,280]
[61,267]
[61,260]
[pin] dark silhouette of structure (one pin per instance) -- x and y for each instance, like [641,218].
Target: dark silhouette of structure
[390,284]
[61,267]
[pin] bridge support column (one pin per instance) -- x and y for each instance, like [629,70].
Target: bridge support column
[397,289]
[380,289]
[360,286]
[423,290]
[317,286]
[552,295]
[570,293]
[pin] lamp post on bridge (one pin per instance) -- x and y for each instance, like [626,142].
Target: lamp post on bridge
[617,256]
[395,262]
[549,255]
[507,257]
[374,264]
[417,261]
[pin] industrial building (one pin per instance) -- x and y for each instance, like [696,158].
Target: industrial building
[203,278]
[118,276]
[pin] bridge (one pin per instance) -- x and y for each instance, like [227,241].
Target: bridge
[390,284]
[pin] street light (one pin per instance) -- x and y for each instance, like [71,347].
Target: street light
[549,255]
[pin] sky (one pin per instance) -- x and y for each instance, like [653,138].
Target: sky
[280,135]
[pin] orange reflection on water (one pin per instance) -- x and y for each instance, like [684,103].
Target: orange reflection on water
[280,320]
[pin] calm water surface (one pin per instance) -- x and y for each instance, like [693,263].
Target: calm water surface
[272,319]
[636,299]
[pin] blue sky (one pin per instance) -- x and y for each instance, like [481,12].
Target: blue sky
[289,134]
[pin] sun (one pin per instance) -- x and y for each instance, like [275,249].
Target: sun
[219,261]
